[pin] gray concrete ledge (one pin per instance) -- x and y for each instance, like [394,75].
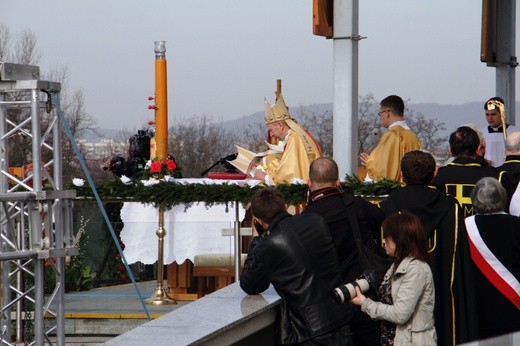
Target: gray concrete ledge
[221,318]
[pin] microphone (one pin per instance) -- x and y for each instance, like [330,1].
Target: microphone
[228,158]
[222,161]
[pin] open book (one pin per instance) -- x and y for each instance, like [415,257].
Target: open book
[246,158]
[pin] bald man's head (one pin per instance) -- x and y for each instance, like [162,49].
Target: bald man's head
[323,173]
[513,144]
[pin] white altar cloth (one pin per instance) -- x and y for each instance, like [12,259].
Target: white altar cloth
[192,231]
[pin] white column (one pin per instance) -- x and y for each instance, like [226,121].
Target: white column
[506,58]
[345,108]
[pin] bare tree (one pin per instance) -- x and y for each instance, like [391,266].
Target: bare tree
[369,126]
[122,140]
[320,126]
[428,130]
[80,123]
[254,137]
[196,144]
[25,48]
[5,42]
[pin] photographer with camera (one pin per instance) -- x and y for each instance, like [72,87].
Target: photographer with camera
[407,293]
[327,199]
[296,255]
[443,222]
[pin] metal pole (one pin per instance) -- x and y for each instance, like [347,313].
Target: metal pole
[35,224]
[4,164]
[39,329]
[506,58]
[19,278]
[238,250]
[34,208]
[36,147]
[345,108]
[59,230]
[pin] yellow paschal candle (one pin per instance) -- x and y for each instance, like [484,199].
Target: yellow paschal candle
[161,101]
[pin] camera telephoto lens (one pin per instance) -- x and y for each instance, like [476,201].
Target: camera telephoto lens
[346,292]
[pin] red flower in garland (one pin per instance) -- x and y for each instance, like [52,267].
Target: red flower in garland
[159,169]
[170,165]
[156,167]
[165,168]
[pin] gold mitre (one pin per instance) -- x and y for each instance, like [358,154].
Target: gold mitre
[276,112]
[495,104]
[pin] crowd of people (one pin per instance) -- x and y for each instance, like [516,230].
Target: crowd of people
[451,235]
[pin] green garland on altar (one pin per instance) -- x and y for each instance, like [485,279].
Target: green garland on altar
[380,188]
[169,194]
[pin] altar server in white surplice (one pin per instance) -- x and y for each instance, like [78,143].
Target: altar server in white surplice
[496,131]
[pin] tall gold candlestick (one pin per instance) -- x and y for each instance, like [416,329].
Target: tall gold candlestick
[160,297]
[161,137]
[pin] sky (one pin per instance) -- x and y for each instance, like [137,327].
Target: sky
[224,57]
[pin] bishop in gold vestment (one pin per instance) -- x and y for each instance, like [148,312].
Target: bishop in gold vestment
[298,148]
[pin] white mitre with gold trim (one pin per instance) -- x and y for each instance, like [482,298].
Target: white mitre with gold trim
[276,112]
[279,112]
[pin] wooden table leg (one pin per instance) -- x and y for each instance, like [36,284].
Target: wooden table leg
[179,278]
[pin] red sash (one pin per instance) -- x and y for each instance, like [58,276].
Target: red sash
[490,266]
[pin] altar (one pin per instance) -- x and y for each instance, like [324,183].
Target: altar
[191,229]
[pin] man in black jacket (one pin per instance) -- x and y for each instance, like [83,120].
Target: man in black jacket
[296,255]
[327,199]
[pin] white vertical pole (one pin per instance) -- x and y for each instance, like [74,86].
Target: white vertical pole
[345,108]
[506,59]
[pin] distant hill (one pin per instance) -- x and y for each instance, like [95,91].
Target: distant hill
[241,123]
[452,115]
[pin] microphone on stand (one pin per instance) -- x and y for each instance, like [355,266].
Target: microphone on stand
[230,157]
[222,161]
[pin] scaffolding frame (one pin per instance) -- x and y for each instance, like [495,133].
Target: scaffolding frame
[36,222]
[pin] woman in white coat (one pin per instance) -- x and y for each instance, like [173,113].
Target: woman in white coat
[407,293]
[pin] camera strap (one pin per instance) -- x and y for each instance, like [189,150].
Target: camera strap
[352,215]
[369,260]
